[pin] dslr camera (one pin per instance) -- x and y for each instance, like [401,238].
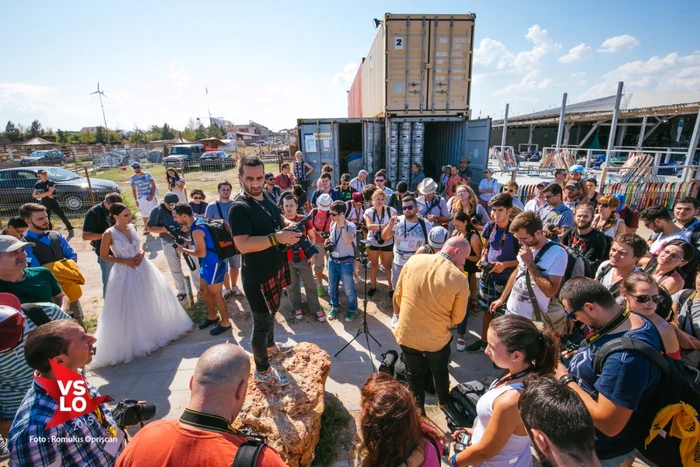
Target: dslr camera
[477,219]
[130,412]
[303,244]
[485,267]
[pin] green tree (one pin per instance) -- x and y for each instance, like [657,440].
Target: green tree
[62,136]
[200,132]
[156,132]
[35,130]
[167,132]
[100,135]
[189,134]
[87,138]
[13,133]
[215,131]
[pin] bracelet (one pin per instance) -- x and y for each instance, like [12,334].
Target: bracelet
[566,379]
[273,240]
[453,460]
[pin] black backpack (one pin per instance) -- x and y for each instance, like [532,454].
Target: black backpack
[36,313]
[248,453]
[678,383]
[602,272]
[573,258]
[220,232]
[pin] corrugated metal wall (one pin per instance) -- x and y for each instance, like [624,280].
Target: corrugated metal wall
[355,95]
[373,75]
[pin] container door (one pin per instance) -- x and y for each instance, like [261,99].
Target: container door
[319,143]
[477,150]
[450,58]
[406,47]
[373,146]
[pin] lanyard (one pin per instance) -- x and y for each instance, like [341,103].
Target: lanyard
[336,238]
[504,236]
[203,420]
[519,374]
[619,319]
[381,218]
[405,226]
[267,209]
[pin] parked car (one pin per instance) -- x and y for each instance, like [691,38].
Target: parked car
[155,156]
[217,160]
[184,156]
[43,157]
[72,190]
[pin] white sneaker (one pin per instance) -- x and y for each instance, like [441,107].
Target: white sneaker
[236,291]
[394,320]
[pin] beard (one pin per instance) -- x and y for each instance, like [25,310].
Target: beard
[585,226]
[40,227]
[252,191]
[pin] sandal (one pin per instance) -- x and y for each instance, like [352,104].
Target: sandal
[181,296]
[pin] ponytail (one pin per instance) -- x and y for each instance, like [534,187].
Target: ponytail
[519,334]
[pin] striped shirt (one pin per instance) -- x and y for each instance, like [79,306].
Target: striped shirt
[15,375]
[82,441]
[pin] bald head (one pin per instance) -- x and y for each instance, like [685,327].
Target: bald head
[224,365]
[458,249]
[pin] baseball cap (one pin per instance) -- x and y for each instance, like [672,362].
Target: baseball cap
[8,244]
[11,322]
[171,197]
[437,237]
[357,197]
[324,202]
[41,171]
[576,169]
[135,165]
[542,184]
[573,183]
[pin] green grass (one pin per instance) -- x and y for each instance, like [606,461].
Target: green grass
[90,325]
[334,433]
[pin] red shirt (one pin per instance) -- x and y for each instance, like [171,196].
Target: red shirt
[283,181]
[290,252]
[452,181]
[169,443]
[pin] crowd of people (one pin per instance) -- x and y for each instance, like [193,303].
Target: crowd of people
[564,267]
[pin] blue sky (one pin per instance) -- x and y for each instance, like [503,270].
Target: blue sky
[273,62]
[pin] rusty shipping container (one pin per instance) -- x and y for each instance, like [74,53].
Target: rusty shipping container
[355,95]
[419,65]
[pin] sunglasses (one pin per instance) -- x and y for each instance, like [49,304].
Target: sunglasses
[197,198]
[408,208]
[334,214]
[645,298]
[509,191]
[672,255]
[379,180]
[602,205]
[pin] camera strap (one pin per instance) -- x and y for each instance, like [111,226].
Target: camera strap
[616,321]
[210,422]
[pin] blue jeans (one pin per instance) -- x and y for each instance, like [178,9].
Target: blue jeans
[105,267]
[342,272]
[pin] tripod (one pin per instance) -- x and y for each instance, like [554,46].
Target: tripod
[363,329]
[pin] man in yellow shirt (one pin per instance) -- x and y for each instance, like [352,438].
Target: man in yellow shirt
[431,296]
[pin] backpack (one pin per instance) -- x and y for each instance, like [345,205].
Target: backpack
[36,313]
[248,453]
[679,384]
[576,261]
[221,235]
[602,272]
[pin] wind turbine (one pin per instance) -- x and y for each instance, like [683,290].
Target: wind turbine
[101,93]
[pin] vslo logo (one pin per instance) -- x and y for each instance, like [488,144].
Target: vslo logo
[71,392]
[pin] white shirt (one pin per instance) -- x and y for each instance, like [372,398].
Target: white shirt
[552,263]
[357,184]
[388,192]
[661,241]
[382,220]
[484,184]
[607,282]
[532,205]
[408,238]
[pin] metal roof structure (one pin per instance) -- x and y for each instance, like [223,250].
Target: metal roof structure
[633,104]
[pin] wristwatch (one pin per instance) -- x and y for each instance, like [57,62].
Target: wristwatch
[566,379]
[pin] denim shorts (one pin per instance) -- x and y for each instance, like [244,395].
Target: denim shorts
[234,262]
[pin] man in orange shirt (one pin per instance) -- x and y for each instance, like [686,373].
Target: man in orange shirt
[203,435]
[285,179]
[452,181]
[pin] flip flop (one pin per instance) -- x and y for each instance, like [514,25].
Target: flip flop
[219,329]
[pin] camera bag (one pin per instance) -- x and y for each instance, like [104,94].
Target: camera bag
[248,453]
[460,407]
[395,365]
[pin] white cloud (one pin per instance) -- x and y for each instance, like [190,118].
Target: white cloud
[529,82]
[617,43]
[543,45]
[576,54]
[27,97]
[578,74]
[179,77]
[347,76]
[670,73]
[492,52]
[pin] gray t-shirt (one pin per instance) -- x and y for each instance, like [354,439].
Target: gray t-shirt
[212,211]
[689,322]
[340,249]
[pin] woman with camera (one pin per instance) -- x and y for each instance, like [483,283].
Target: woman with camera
[355,213]
[644,297]
[176,184]
[465,200]
[376,218]
[464,227]
[341,260]
[394,433]
[498,437]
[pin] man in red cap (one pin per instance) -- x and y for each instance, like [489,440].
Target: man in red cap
[16,322]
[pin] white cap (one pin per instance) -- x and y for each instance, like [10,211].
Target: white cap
[8,244]
[324,202]
[437,237]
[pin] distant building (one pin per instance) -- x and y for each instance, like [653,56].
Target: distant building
[88,129]
[252,128]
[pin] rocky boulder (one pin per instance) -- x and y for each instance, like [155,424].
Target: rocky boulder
[290,416]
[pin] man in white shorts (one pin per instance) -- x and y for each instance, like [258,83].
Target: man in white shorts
[143,186]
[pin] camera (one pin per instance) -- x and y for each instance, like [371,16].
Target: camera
[477,219]
[180,240]
[129,412]
[486,267]
[378,237]
[463,441]
[303,244]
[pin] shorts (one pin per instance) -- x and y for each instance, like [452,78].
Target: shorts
[320,258]
[234,262]
[146,206]
[212,272]
[490,291]
[382,248]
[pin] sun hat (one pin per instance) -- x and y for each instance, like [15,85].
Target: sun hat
[427,186]
[437,237]
[324,202]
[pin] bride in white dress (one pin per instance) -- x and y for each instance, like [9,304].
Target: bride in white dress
[141,313]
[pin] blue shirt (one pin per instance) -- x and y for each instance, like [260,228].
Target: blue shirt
[500,249]
[212,211]
[211,257]
[143,184]
[627,379]
[561,216]
[30,236]
[335,196]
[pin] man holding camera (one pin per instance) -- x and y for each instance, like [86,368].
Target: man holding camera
[160,222]
[45,192]
[66,343]
[556,216]
[257,227]
[97,221]
[299,266]
[341,261]
[212,269]
[321,221]
[203,434]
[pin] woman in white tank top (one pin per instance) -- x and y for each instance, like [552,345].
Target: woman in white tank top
[498,438]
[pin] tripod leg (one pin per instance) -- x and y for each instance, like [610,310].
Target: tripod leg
[359,331]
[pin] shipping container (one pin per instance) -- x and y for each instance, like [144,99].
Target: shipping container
[419,65]
[355,95]
[338,141]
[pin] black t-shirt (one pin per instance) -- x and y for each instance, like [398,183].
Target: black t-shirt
[345,195]
[43,187]
[97,220]
[593,246]
[247,216]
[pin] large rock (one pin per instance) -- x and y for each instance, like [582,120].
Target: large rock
[290,416]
